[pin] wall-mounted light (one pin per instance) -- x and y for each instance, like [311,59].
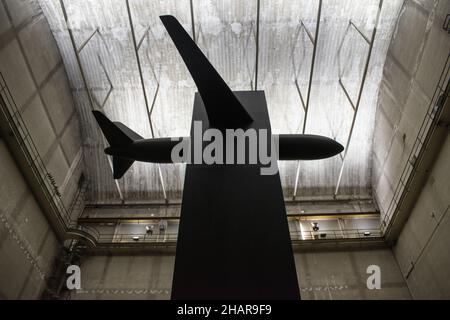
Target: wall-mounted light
[366,234]
[135,238]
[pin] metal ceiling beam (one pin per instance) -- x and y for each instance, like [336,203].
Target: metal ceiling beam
[301,96]
[138,60]
[360,32]
[77,56]
[84,78]
[258,5]
[191,6]
[361,89]
[87,41]
[153,219]
[111,87]
[307,31]
[313,60]
[347,95]
[311,73]
[143,37]
[247,42]
[144,91]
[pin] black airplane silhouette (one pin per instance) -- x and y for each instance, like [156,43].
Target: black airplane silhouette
[217,194]
[224,111]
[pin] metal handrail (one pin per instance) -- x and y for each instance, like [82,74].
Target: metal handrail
[23,137]
[28,148]
[429,123]
[164,237]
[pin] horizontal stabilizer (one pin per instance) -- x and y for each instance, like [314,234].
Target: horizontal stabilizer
[118,135]
[120,166]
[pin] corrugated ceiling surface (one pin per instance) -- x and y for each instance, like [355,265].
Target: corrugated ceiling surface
[225,30]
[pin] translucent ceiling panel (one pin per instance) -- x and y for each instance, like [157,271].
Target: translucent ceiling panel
[285,59]
[226,31]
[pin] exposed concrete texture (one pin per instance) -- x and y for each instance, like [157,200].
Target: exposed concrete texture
[4,22]
[126,277]
[416,57]
[21,10]
[37,122]
[15,72]
[322,275]
[31,64]
[27,244]
[58,99]
[422,248]
[40,49]
[343,275]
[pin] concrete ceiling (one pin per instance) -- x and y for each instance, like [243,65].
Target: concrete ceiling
[225,31]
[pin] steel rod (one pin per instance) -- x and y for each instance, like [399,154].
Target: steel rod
[311,73]
[360,32]
[191,5]
[297,176]
[300,95]
[87,40]
[258,3]
[77,57]
[141,76]
[308,33]
[143,37]
[347,95]
[361,89]
[105,71]
[83,75]
[162,183]
[138,60]
[313,60]
[294,67]
[152,106]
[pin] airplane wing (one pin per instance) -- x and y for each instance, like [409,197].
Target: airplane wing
[223,108]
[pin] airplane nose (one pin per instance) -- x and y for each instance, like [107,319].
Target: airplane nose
[307,147]
[338,148]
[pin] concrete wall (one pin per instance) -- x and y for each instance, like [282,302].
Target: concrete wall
[322,275]
[126,277]
[415,59]
[27,243]
[343,275]
[422,248]
[33,70]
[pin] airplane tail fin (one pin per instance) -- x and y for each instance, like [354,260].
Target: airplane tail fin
[118,135]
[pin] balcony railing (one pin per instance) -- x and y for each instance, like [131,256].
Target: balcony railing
[16,127]
[68,218]
[429,123]
[170,238]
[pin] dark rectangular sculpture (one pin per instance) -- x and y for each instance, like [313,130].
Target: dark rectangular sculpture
[233,239]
